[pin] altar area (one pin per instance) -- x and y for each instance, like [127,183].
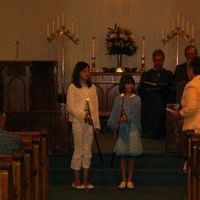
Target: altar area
[107,88]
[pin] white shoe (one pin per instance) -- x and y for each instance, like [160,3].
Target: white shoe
[122,185]
[78,187]
[89,186]
[130,185]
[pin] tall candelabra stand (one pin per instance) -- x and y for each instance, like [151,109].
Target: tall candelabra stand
[142,69]
[60,33]
[178,32]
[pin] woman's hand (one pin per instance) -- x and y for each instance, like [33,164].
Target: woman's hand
[97,131]
[176,114]
[88,120]
[122,118]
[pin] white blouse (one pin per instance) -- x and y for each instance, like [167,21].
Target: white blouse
[76,103]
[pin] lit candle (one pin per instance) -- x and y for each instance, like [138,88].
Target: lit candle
[122,105]
[187,30]
[53,26]
[93,47]
[63,19]
[192,32]
[47,30]
[58,22]
[143,46]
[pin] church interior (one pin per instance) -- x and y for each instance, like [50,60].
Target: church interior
[41,42]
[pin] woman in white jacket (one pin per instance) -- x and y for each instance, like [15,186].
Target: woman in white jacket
[80,90]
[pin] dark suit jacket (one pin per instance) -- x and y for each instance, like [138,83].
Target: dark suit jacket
[180,80]
[181,73]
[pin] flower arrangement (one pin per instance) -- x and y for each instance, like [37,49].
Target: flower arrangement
[120,41]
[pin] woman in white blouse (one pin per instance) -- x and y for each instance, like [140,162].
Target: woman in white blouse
[80,90]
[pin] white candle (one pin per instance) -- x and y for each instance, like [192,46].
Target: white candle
[68,23]
[47,30]
[72,26]
[63,66]
[162,30]
[187,30]
[167,27]
[192,32]
[172,24]
[178,19]
[58,22]
[53,26]
[143,46]
[93,47]
[63,19]
[77,31]
[183,24]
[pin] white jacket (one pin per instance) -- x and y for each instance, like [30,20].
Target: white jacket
[76,103]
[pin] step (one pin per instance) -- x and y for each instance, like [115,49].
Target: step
[112,177]
[150,169]
[147,160]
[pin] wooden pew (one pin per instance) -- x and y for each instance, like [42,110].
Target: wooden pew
[14,163]
[35,147]
[5,181]
[193,167]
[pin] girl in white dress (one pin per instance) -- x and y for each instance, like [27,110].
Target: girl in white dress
[80,90]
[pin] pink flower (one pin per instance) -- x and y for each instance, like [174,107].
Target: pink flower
[113,36]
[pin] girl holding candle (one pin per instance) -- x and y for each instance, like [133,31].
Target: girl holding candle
[128,144]
[80,90]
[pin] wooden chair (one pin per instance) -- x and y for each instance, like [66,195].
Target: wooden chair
[193,167]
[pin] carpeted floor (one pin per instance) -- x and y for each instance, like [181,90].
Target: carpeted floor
[65,192]
[158,176]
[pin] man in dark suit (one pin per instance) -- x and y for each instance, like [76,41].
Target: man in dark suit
[180,75]
[155,91]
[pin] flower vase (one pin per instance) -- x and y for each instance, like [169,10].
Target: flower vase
[119,63]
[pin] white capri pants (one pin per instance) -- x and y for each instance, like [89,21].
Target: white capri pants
[83,138]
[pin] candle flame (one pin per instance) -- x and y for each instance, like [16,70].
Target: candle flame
[122,94]
[87,99]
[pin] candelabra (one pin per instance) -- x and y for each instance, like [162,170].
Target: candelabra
[178,32]
[62,31]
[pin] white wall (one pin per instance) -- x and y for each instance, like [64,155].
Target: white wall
[26,20]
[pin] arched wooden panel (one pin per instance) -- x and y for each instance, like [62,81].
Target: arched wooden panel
[16,95]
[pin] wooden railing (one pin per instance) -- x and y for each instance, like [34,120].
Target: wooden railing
[193,167]
[25,175]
